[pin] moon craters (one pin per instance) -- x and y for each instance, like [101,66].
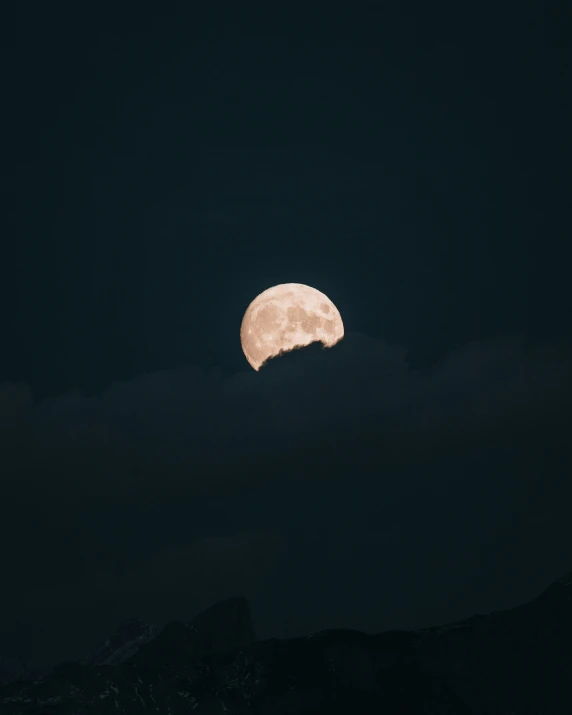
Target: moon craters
[285,317]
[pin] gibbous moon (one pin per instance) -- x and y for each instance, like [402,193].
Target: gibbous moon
[288,316]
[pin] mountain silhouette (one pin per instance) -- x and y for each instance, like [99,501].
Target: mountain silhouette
[512,662]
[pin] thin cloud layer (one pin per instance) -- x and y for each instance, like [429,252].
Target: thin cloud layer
[192,429]
[177,488]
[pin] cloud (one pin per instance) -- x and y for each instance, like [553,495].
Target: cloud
[174,489]
[15,402]
[203,571]
[187,576]
[193,430]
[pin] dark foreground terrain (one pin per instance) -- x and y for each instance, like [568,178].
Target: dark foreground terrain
[513,662]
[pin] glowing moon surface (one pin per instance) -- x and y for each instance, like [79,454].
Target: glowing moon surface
[288,316]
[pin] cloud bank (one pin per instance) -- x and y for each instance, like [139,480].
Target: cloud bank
[193,429]
[177,488]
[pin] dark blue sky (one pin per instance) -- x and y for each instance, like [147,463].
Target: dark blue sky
[158,172]
[162,170]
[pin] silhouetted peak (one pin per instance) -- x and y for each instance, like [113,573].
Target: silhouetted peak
[511,661]
[127,639]
[222,628]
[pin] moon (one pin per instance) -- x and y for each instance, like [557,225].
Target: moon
[288,316]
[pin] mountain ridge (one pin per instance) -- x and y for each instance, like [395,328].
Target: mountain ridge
[517,661]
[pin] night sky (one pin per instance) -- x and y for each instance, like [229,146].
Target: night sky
[158,171]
